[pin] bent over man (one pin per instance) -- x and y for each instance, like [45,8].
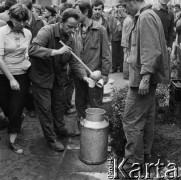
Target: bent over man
[49,58]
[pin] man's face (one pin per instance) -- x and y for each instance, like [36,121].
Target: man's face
[120,9]
[82,16]
[131,7]
[70,25]
[46,13]
[36,12]
[97,11]
[177,9]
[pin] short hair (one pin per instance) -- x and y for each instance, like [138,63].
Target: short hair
[124,1]
[19,12]
[63,1]
[51,9]
[177,5]
[38,7]
[9,3]
[65,6]
[68,13]
[33,1]
[84,6]
[98,3]
[28,3]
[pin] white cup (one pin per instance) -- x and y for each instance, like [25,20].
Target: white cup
[92,83]
[100,83]
[26,64]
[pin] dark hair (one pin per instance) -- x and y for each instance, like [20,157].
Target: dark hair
[98,3]
[19,12]
[63,1]
[65,6]
[52,10]
[84,6]
[28,3]
[33,1]
[2,9]
[9,3]
[177,5]
[68,13]
[38,7]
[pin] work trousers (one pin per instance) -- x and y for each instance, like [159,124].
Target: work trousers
[50,105]
[12,102]
[85,95]
[69,89]
[138,124]
[117,55]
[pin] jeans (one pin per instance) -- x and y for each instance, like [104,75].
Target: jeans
[138,124]
[85,95]
[50,105]
[12,102]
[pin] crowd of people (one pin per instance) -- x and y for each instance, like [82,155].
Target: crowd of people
[38,71]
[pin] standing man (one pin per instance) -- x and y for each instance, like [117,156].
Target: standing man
[98,16]
[167,19]
[116,25]
[49,57]
[92,43]
[50,15]
[149,65]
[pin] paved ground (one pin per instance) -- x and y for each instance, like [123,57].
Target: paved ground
[40,163]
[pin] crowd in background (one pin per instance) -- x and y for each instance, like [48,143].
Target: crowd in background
[109,42]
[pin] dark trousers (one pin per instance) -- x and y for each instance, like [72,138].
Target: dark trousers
[85,95]
[117,55]
[50,105]
[12,102]
[69,89]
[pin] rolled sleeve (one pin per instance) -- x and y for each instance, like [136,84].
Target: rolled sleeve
[150,48]
[39,43]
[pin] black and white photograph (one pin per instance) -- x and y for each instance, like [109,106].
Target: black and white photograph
[90,89]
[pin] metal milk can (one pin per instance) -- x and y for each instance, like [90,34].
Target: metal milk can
[94,137]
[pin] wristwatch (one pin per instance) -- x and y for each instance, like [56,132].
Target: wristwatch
[146,80]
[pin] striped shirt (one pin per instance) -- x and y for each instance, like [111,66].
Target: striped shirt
[14,48]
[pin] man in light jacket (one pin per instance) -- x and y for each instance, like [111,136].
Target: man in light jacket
[149,65]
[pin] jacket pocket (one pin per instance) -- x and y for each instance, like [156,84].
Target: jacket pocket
[95,41]
[133,38]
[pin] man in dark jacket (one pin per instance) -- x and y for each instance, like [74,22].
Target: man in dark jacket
[116,25]
[167,19]
[98,16]
[49,58]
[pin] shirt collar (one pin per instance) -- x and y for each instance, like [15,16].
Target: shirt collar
[8,30]
[143,9]
[159,6]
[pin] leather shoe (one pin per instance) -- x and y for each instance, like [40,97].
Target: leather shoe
[56,145]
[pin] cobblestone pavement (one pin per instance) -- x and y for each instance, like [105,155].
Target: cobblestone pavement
[40,163]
